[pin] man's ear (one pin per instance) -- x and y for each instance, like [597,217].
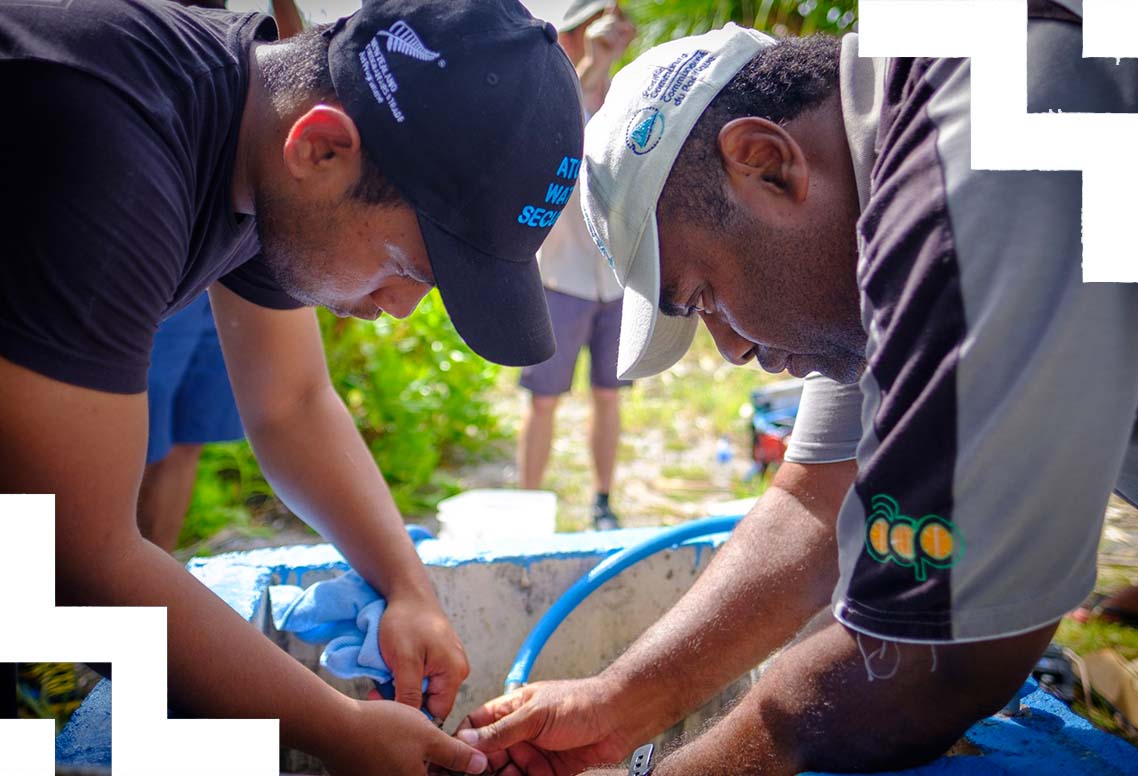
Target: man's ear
[762,159]
[323,140]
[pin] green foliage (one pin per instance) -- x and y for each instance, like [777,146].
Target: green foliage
[49,691]
[229,493]
[662,20]
[418,396]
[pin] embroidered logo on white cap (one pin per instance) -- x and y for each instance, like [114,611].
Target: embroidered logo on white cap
[630,147]
[645,130]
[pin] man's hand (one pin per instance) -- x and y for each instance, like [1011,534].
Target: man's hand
[605,40]
[389,738]
[608,37]
[549,729]
[416,640]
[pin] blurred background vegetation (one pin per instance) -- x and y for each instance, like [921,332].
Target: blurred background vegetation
[419,397]
[663,20]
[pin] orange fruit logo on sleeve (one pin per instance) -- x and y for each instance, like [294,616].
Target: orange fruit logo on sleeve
[891,537]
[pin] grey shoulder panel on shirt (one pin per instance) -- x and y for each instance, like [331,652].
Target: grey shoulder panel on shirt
[828,426]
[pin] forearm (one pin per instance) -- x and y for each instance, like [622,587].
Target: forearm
[594,76]
[319,465]
[219,665]
[776,572]
[828,704]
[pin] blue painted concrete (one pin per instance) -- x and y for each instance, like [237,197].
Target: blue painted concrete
[241,578]
[1045,739]
[86,740]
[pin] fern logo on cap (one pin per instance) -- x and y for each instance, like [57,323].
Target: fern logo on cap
[403,40]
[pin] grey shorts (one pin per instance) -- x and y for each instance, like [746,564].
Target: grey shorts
[578,322]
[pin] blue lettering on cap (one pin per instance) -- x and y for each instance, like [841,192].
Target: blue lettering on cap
[535,216]
[568,168]
[557,194]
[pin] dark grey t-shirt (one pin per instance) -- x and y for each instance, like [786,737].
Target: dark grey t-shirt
[1000,389]
[115,208]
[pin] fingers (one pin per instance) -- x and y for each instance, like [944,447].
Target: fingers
[454,755]
[502,733]
[443,687]
[494,710]
[408,676]
[500,723]
[498,759]
[530,761]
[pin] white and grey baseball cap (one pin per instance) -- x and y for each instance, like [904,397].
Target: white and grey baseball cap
[630,147]
[580,11]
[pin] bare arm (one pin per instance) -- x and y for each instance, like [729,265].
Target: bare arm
[830,703]
[88,448]
[777,570]
[605,41]
[317,462]
[810,709]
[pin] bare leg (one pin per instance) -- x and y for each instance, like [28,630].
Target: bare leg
[604,436]
[535,440]
[165,493]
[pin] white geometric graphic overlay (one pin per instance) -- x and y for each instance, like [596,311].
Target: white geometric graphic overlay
[144,742]
[993,33]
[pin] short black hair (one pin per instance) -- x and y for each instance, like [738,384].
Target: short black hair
[780,83]
[300,75]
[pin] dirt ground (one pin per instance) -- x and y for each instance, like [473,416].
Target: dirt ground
[656,482]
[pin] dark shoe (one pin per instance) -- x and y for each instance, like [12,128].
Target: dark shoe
[604,519]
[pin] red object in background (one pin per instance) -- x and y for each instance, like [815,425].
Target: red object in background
[768,449]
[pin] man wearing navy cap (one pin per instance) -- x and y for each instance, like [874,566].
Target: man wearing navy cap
[161,149]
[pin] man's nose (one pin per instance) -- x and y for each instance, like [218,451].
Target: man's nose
[401,300]
[732,347]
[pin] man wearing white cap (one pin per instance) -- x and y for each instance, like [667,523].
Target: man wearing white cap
[819,212]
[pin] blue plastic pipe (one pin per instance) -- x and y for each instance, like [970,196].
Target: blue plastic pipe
[601,573]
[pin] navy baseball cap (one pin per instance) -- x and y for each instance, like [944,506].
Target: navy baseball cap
[473,112]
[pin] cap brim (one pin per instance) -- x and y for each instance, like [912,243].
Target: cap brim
[650,342]
[575,17]
[497,306]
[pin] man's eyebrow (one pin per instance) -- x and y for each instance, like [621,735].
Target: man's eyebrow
[668,305]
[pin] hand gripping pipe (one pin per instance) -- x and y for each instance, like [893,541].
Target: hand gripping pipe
[601,573]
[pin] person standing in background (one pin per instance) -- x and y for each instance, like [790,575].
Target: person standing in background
[583,295]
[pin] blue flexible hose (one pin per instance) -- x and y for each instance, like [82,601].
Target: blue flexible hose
[601,573]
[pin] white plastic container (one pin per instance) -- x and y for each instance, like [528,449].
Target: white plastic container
[486,515]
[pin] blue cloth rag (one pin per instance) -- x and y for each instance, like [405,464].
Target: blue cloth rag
[343,613]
